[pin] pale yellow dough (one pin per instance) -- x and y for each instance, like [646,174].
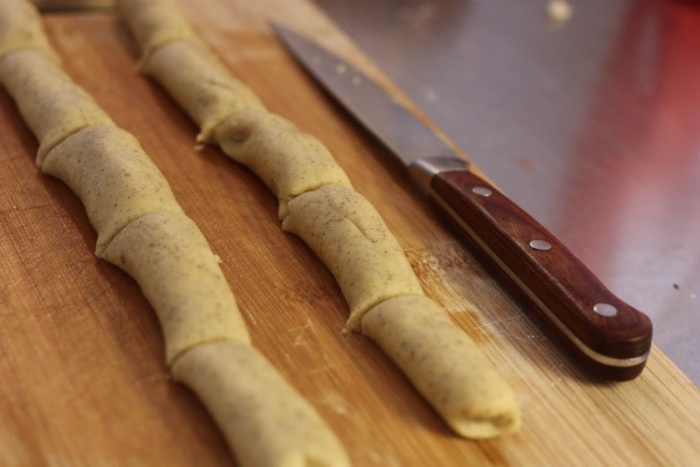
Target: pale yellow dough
[180,276]
[289,161]
[20,28]
[115,179]
[445,365]
[142,229]
[352,240]
[318,204]
[266,422]
[51,104]
[200,84]
[155,23]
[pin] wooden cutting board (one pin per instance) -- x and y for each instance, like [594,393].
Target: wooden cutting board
[81,354]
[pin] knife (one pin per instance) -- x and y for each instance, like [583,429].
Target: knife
[606,336]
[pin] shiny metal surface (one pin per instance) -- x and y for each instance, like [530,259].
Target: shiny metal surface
[591,125]
[482,191]
[542,245]
[605,309]
[400,130]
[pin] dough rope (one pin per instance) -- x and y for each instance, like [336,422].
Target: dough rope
[143,230]
[318,204]
[466,389]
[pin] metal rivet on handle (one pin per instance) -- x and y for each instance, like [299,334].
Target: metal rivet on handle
[605,309]
[482,191]
[542,245]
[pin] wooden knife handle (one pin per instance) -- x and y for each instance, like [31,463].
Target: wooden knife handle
[609,337]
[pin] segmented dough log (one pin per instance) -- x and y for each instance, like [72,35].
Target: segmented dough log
[142,229]
[289,161]
[264,427]
[114,178]
[200,84]
[51,104]
[318,204]
[20,28]
[155,23]
[180,276]
[444,365]
[353,241]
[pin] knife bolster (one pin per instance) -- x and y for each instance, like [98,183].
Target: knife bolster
[424,169]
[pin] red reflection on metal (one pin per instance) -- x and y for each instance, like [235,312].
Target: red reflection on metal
[643,131]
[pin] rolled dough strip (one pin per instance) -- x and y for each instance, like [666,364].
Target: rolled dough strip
[289,161]
[342,228]
[200,84]
[228,112]
[264,427]
[20,28]
[164,251]
[51,104]
[353,241]
[170,259]
[114,178]
[155,24]
[444,365]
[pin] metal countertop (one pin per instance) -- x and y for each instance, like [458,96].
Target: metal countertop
[591,125]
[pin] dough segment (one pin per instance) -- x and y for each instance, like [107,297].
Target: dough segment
[340,226]
[51,104]
[20,28]
[115,179]
[444,365]
[351,239]
[178,273]
[207,91]
[287,160]
[264,431]
[143,230]
[159,23]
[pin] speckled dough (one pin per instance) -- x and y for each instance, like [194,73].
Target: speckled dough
[51,104]
[264,427]
[20,28]
[155,23]
[113,177]
[200,84]
[444,365]
[143,230]
[289,161]
[352,240]
[318,204]
[180,276]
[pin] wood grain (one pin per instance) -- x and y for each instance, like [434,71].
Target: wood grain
[81,354]
[561,292]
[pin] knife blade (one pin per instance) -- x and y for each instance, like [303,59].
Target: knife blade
[608,337]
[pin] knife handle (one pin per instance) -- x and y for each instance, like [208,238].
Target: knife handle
[607,336]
